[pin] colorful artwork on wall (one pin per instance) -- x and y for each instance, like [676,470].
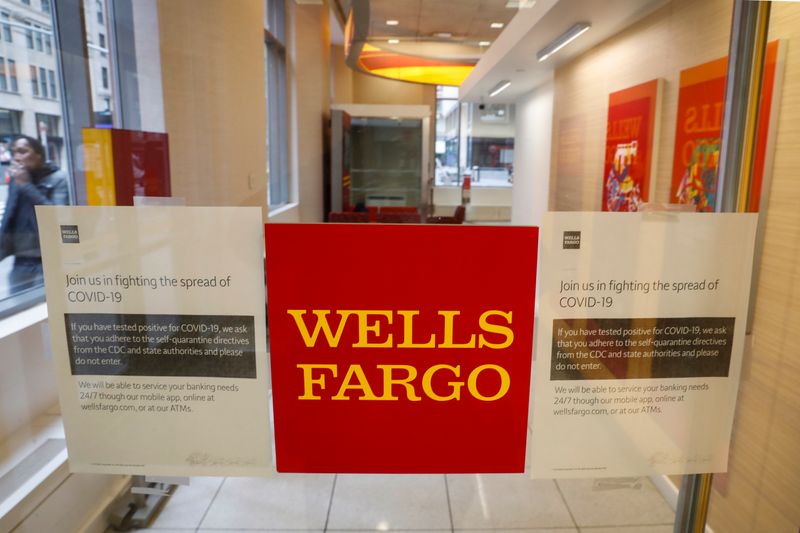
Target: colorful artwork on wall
[698,132]
[633,115]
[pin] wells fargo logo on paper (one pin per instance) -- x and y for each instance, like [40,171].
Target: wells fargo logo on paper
[400,348]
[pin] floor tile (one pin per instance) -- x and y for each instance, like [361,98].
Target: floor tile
[628,529]
[521,530]
[509,501]
[615,503]
[286,501]
[258,531]
[161,530]
[188,504]
[386,502]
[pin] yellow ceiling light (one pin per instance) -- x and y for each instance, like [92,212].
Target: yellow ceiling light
[368,58]
[402,67]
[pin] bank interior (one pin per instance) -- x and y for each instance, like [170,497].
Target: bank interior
[303,108]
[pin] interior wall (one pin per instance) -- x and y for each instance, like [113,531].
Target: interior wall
[534,130]
[309,60]
[761,491]
[212,70]
[368,89]
[341,77]
[681,34]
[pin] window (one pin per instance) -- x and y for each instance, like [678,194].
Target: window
[43,81]
[34,81]
[12,75]
[37,78]
[488,137]
[52,77]
[448,134]
[101,64]
[10,120]
[7,36]
[277,119]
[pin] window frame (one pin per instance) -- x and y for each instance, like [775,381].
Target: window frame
[279,190]
[3,75]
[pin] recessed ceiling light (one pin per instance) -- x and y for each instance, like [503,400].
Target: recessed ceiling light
[496,25]
[443,34]
[484,43]
[392,22]
[500,87]
[563,40]
[393,41]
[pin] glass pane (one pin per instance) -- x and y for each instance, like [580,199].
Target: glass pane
[447,146]
[29,106]
[489,145]
[276,126]
[385,162]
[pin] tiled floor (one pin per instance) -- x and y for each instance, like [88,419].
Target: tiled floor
[418,503]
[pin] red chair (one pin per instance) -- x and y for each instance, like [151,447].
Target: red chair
[457,218]
[398,218]
[348,216]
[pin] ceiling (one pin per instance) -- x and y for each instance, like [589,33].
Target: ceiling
[468,21]
[512,56]
[529,25]
[437,29]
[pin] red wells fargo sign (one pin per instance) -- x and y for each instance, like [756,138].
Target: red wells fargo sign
[400,348]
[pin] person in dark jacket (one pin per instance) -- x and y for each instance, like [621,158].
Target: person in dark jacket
[34,181]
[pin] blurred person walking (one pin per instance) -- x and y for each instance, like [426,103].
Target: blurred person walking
[32,181]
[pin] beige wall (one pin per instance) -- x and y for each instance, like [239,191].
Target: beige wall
[761,492]
[369,89]
[309,97]
[679,35]
[212,67]
[341,78]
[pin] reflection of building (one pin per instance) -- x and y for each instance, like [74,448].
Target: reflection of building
[97,44]
[30,100]
[29,92]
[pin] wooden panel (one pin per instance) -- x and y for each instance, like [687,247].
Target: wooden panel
[762,489]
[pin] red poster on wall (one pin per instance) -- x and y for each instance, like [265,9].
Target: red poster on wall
[400,349]
[633,116]
[698,130]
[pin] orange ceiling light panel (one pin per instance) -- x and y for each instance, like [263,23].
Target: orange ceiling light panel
[393,65]
[362,56]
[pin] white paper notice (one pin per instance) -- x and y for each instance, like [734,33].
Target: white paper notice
[158,326]
[640,337]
